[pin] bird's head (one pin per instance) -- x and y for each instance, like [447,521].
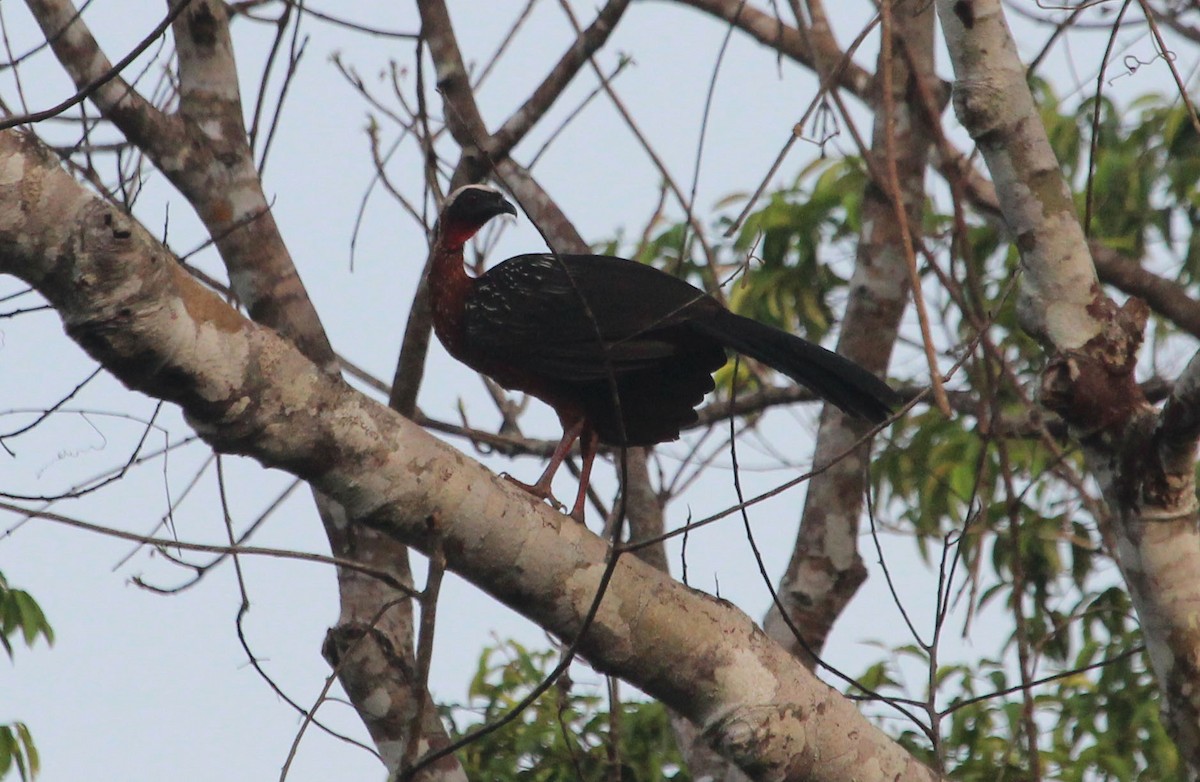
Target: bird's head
[468,209]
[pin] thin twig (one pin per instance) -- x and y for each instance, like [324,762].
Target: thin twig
[104,78]
[167,543]
[896,196]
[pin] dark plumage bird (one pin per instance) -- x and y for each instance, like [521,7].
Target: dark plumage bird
[572,329]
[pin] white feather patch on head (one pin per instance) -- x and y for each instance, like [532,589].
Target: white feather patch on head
[459,191]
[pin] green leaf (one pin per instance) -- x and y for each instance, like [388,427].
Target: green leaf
[20,612]
[18,750]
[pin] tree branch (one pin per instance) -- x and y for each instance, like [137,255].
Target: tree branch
[95,77]
[247,391]
[826,568]
[204,151]
[994,104]
[1143,462]
[587,43]
[771,31]
[1166,297]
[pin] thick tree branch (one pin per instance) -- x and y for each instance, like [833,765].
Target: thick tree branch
[81,57]
[463,119]
[1166,297]
[826,567]
[204,151]
[587,43]
[247,391]
[993,101]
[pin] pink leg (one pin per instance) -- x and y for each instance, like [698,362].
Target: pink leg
[541,489]
[588,443]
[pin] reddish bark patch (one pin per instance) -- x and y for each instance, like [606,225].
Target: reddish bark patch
[1094,387]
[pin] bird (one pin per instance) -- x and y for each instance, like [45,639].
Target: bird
[623,352]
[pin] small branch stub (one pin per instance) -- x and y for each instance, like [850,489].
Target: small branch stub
[1093,387]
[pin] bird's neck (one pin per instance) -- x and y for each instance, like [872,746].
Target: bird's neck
[448,262]
[449,288]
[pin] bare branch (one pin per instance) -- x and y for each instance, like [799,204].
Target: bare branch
[1166,297]
[95,77]
[587,42]
[172,543]
[788,41]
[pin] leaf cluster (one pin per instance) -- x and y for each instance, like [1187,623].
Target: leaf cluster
[993,490]
[19,615]
[567,734]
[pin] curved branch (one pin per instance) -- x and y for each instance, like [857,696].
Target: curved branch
[248,391]
[587,43]
[993,101]
[771,31]
[93,74]
[205,153]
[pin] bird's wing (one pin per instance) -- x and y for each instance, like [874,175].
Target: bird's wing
[558,316]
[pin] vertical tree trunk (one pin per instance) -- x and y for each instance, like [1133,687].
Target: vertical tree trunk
[826,567]
[1143,459]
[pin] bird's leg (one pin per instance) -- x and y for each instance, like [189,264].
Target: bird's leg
[589,441]
[541,489]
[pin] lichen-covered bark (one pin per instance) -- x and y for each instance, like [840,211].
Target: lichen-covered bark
[248,391]
[203,149]
[993,102]
[1143,459]
[1145,467]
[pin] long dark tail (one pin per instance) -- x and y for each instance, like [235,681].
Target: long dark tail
[830,376]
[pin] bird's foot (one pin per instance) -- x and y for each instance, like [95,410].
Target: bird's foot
[538,490]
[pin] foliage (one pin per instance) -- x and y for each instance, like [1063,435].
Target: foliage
[788,243]
[565,735]
[994,492]
[1145,174]
[19,613]
[1099,710]
[1011,502]
[18,751]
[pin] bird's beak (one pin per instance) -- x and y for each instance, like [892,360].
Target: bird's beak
[506,211]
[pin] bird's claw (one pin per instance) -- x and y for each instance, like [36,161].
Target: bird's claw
[540,492]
